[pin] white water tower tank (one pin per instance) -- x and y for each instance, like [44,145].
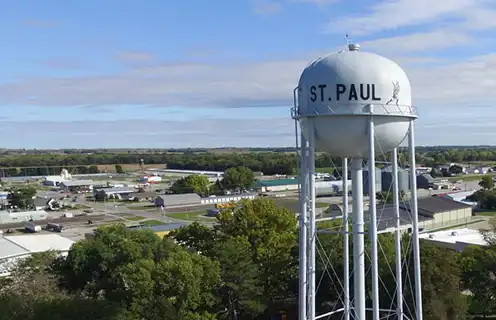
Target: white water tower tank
[337,92]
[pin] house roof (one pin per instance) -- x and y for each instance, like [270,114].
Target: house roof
[40,202]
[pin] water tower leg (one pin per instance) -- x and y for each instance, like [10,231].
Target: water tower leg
[358,239]
[414,213]
[397,237]
[346,242]
[303,176]
[311,222]
[374,254]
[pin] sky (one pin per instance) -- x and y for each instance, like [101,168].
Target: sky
[221,73]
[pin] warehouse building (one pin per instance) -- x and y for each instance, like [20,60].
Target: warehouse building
[433,212]
[322,187]
[77,185]
[13,248]
[176,200]
[455,239]
[378,180]
[425,181]
[403,179]
[442,211]
[7,216]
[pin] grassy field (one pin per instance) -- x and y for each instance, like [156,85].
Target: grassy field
[135,218]
[192,216]
[150,223]
[471,177]
[294,204]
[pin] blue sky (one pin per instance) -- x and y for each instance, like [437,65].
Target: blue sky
[220,73]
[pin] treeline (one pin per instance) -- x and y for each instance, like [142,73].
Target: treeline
[245,268]
[267,162]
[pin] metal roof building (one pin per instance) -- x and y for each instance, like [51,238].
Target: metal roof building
[13,248]
[171,200]
[455,239]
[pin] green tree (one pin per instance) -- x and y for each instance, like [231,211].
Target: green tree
[191,184]
[147,275]
[93,169]
[441,276]
[238,178]
[272,234]
[478,266]
[22,198]
[240,292]
[31,292]
[487,182]
[118,169]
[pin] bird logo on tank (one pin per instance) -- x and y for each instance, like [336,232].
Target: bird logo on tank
[396,91]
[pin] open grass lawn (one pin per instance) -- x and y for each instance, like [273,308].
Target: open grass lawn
[294,204]
[134,218]
[142,206]
[471,177]
[150,223]
[488,213]
[192,216]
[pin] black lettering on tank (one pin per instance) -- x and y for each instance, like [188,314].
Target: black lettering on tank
[313,93]
[322,87]
[353,93]
[340,89]
[364,95]
[374,97]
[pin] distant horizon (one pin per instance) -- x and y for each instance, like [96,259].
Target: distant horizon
[218,148]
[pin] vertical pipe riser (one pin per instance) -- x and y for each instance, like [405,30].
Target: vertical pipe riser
[358,240]
[312,222]
[374,256]
[397,237]
[414,212]
[346,247]
[303,173]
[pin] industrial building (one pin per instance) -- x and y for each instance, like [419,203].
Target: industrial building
[378,180]
[322,187]
[455,239]
[461,197]
[433,212]
[403,179]
[13,248]
[175,200]
[227,199]
[425,181]
[7,216]
[54,181]
[77,185]
[118,192]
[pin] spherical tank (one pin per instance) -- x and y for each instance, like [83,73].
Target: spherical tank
[339,93]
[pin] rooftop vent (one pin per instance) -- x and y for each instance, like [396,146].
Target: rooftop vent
[354,47]
[454,233]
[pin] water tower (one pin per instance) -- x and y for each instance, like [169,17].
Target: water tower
[350,104]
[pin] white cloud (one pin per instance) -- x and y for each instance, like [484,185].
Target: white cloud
[256,83]
[266,7]
[394,14]
[159,134]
